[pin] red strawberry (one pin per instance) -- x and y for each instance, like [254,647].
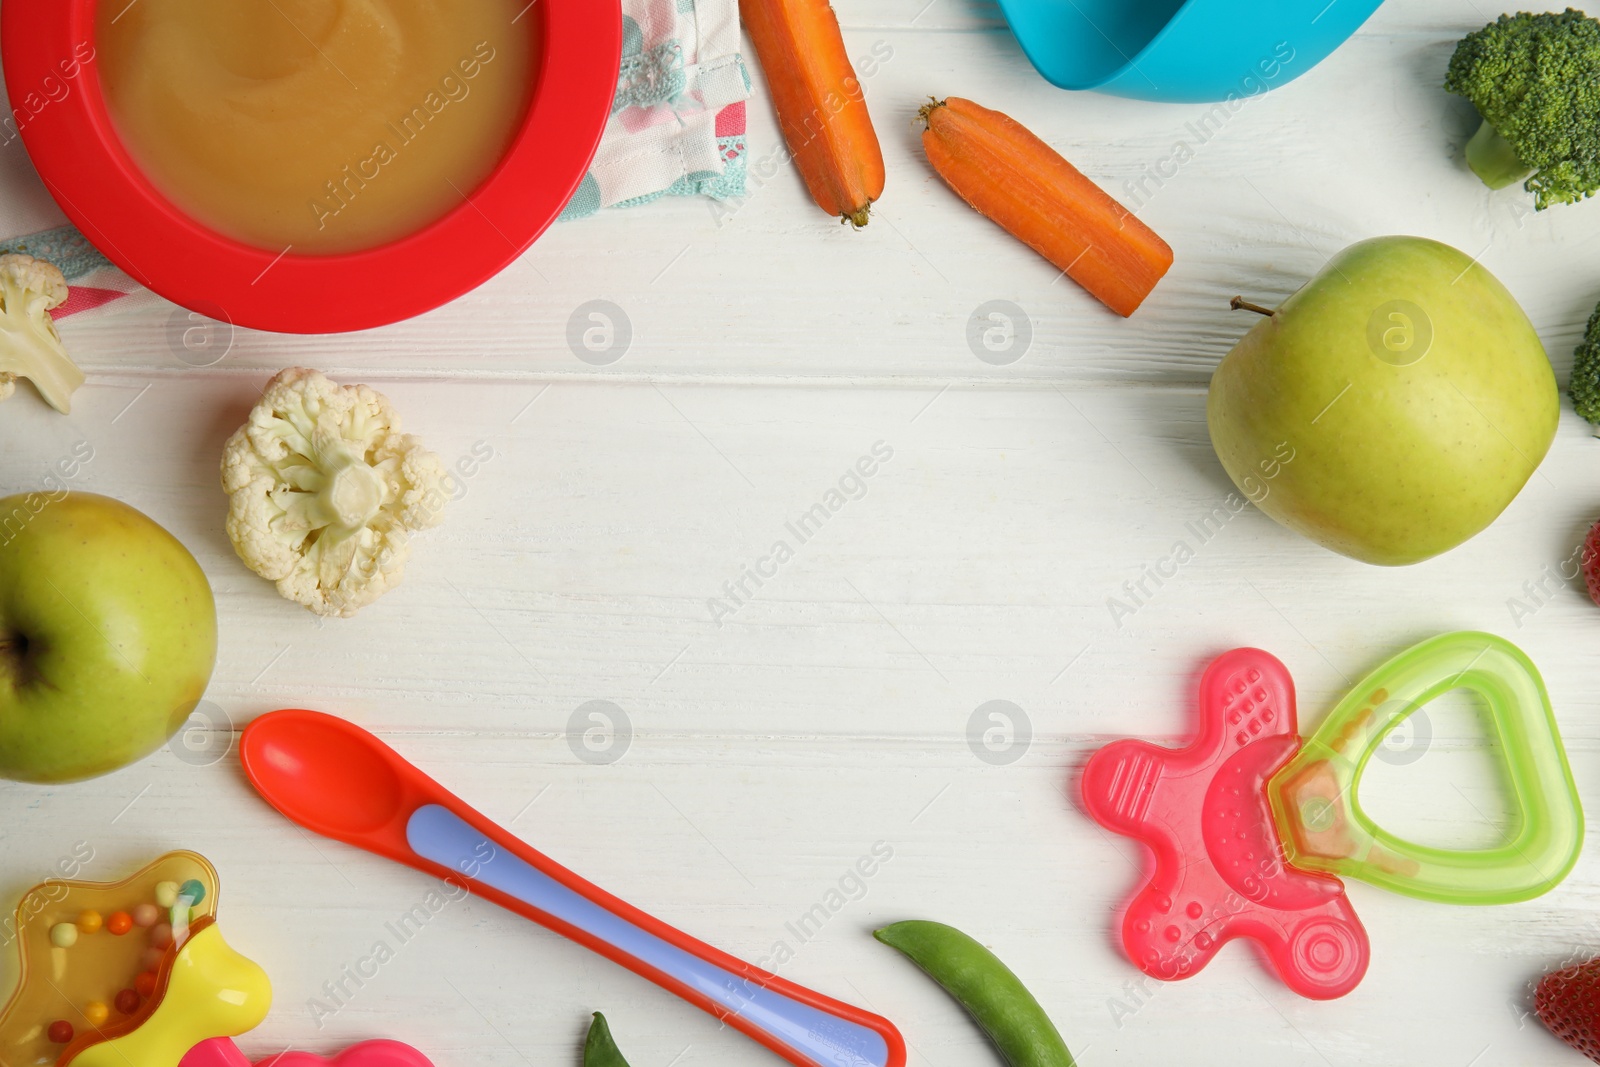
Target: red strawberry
[1568,1002]
[1591,562]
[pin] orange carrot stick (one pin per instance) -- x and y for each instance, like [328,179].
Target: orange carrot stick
[1012,177]
[821,109]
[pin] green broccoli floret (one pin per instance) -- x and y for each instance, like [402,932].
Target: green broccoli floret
[1585,385]
[1535,79]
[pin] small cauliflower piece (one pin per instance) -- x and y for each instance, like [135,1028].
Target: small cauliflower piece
[324,492]
[29,345]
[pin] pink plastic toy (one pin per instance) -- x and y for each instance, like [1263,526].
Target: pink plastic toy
[220,1052]
[1219,871]
[1249,825]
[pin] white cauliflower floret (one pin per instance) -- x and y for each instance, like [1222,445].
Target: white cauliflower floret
[29,345]
[324,492]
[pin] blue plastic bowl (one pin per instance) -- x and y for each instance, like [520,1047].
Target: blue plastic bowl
[1181,50]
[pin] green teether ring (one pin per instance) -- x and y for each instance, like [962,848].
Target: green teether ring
[1315,804]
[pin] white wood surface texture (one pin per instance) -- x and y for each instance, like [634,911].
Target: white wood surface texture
[770,350]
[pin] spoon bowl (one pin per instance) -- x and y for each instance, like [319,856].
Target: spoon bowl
[324,774]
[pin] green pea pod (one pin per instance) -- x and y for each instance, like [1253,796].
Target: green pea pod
[983,985]
[599,1050]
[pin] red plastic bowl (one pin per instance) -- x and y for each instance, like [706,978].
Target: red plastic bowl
[53,80]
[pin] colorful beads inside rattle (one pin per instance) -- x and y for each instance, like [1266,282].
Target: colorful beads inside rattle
[92,957]
[169,900]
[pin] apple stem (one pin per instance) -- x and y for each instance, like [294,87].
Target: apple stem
[1239,303]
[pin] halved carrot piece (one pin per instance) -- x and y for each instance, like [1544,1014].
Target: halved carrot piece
[1012,177]
[821,108]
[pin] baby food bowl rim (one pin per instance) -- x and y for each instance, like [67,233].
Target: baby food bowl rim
[92,177]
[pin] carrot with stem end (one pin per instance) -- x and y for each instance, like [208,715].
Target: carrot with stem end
[821,107]
[1013,178]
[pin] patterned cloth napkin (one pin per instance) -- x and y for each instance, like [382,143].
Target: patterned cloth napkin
[676,129]
[677,123]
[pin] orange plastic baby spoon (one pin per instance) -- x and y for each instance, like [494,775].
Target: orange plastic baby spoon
[333,777]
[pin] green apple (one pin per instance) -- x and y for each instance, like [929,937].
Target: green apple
[108,634]
[1409,392]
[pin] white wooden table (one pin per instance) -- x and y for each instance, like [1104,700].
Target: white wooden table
[773,745]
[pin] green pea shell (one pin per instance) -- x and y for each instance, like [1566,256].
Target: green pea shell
[983,985]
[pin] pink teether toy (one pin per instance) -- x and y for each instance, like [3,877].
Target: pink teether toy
[1219,869]
[1249,825]
[220,1052]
